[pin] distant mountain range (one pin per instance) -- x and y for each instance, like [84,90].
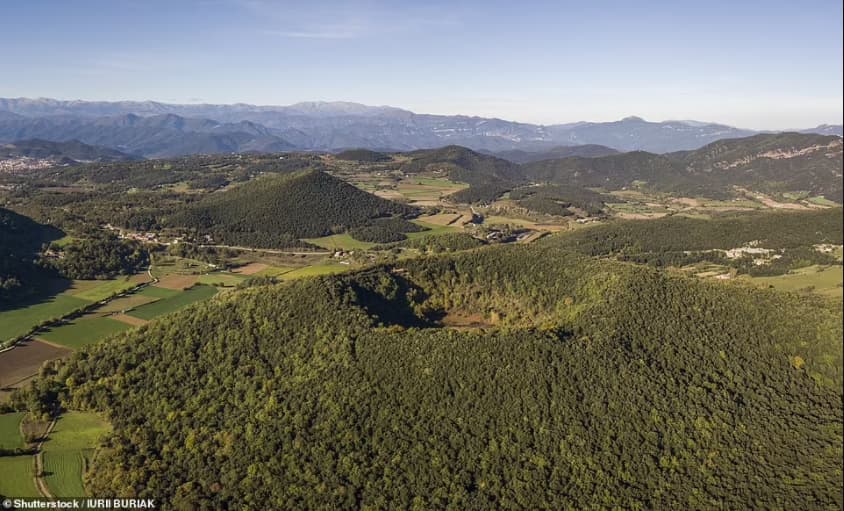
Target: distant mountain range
[153,129]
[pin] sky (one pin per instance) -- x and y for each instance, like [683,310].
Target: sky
[755,64]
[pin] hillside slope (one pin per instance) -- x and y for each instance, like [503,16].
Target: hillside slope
[788,162]
[276,211]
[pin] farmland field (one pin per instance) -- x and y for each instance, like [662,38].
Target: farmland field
[17,478]
[75,435]
[17,322]
[157,292]
[10,433]
[340,242]
[826,281]
[317,269]
[175,302]
[25,359]
[83,331]
[98,290]
[222,279]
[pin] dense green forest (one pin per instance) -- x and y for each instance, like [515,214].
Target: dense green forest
[556,199]
[680,240]
[775,163]
[99,255]
[276,211]
[594,384]
[21,239]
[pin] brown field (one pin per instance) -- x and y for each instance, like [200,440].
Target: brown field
[442,218]
[177,282]
[251,268]
[126,303]
[129,320]
[25,359]
[140,278]
[388,194]
[426,203]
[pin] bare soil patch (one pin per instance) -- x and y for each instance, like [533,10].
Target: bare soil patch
[251,268]
[25,360]
[462,320]
[129,320]
[441,218]
[177,282]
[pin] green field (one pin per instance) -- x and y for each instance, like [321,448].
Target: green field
[101,289]
[433,229]
[340,242]
[17,322]
[823,201]
[273,271]
[222,279]
[16,476]
[83,331]
[173,303]
[158,292]
[10,433]
[75,436]
[826,281]
[315,270]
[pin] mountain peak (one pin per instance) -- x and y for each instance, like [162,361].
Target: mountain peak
[633,118]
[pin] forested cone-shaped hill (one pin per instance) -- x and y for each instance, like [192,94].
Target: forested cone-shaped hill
[275,211]
[596,384]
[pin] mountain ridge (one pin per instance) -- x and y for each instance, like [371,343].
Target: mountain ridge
[333,125]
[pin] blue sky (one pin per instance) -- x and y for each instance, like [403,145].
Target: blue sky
[756,64]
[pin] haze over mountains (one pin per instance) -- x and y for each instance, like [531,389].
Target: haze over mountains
[153,129]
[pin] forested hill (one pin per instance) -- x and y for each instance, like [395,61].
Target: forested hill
[20,240]
[595,385]
[461,164]
[69,150]
[786,162]
[275,211]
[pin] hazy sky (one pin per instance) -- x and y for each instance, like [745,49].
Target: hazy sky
[756,64]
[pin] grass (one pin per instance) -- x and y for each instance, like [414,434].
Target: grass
[83,331]
[10,432]
[433,229]
[101,289]
[222,279]
[173,303]
[16,477]
[823,201]
[74,437]
[825,281]
[274,271]
[340,242]
[17,322]
[314,270]
[158,292]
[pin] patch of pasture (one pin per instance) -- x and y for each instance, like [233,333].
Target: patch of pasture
[10,431]
[18,478]
[17,322]
[174,303]
[75,435]
[340,242]
[83,331]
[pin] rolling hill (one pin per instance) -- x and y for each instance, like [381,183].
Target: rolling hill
[586,151]
[276,211]
[70,150]
[774,163]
